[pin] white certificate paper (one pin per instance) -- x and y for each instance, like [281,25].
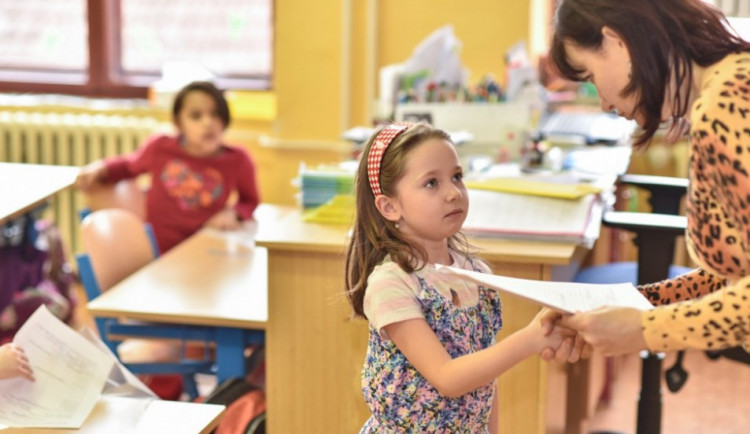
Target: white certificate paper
[563,296]
[69,370]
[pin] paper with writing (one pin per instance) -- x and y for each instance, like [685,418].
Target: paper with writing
[563,296]
[69,373]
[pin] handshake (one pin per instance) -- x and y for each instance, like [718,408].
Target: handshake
[571,337]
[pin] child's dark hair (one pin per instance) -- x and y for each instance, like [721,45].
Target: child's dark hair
[222,108]
[373,236]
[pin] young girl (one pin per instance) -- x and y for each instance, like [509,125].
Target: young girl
[432,357]
[192,174]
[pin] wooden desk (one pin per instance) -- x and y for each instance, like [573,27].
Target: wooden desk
[315,351]
[215,279]
[24,187]
[138,415]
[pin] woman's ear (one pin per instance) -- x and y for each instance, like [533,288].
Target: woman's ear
[614,44]
[612,36]
[388,208]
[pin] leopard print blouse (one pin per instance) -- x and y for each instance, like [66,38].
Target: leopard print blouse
[709,308]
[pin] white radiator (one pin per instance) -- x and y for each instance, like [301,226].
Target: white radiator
[70,139]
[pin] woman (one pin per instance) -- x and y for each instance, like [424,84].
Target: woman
[674,61]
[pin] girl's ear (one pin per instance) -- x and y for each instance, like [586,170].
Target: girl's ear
[388,208]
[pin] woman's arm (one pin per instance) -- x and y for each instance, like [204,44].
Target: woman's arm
[694,284]
[718,320]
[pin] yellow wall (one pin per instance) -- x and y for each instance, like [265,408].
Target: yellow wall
[309,49]
[487,28]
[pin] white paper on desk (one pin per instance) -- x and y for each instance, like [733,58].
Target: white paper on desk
[121,382]
[563,296]
[69,372]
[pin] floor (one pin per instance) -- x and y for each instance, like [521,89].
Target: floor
[715,398]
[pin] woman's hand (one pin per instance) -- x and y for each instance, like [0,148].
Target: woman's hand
[610,330]
[225,220]
[573,346]
[13,363]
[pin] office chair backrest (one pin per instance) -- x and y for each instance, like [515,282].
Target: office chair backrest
[125,194]
[117,243]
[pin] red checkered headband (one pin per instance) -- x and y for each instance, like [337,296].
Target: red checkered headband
[375,156]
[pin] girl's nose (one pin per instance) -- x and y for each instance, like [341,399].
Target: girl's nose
[453,193]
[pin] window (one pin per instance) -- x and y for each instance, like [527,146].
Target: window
[117,48]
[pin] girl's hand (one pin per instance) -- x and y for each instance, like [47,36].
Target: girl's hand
[611,330]
[225,220]
[544,330]
[13,363]
[572,349]
[91,175]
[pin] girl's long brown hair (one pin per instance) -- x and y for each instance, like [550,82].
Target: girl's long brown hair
[373,236]
[664,37]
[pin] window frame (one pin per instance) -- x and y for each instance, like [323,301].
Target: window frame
[105,77]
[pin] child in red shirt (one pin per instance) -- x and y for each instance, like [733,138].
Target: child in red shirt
[192,173]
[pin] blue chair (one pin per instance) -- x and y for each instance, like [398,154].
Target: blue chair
[655,235]
[117,244]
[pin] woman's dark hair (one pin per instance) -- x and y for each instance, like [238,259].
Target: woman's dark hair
[222,108]
[663,37]
[373,236]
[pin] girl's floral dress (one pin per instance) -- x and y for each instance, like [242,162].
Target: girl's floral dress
[401,400]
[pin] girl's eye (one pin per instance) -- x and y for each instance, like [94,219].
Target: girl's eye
[458,177]
[431,183]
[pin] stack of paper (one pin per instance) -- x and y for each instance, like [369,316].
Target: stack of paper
[529,217]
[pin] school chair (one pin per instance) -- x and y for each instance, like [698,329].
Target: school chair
[655,235]
[124,194]
[117,243]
